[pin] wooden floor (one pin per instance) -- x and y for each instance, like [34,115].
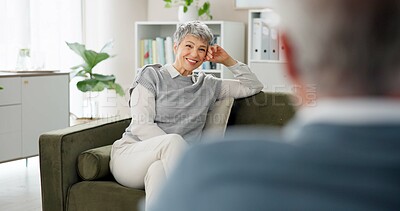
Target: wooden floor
[20,185]
[20,181]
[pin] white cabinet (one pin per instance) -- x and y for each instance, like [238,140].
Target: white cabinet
[29,106]
[270,72]
[10,132]
[231,37]
[10,118]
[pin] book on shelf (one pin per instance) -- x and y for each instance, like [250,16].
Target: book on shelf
[146,52]
[169,52]
[142,53]
[158,50]
[153,54]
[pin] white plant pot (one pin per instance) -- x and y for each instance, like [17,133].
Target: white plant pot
[91,105]
[190,15]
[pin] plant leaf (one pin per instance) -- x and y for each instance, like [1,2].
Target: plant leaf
[78,49]
[105,78]
[205,9]
[86,85]
[100,86]
[93,58]
[200,12]
[90,85]
[78,66]
[82,73]
[206,6]
[93,85]
[118,89]
[188,2]
[168,3]
[107,46]
[90,57]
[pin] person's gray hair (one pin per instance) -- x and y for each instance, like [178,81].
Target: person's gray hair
[345,47]
[195,28]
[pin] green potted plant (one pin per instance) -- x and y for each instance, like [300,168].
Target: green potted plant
[92,82]
[185,4]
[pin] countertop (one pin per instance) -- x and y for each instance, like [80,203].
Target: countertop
[12,73]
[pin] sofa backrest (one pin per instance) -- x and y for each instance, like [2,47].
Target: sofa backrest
[264,108]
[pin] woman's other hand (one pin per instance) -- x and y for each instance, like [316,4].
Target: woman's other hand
[217,54]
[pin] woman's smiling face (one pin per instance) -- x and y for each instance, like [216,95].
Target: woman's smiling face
[190,54]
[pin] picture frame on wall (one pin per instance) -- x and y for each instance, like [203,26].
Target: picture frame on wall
[253,4]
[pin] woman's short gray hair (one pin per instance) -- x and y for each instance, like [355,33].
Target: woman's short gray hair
[195,28]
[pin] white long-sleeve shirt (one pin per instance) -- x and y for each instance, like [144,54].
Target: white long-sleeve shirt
[143,101]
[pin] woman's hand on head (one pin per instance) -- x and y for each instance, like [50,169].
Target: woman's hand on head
[217,54]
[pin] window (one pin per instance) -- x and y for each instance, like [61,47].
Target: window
[43,26]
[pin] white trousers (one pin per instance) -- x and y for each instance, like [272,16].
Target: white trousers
[146,164]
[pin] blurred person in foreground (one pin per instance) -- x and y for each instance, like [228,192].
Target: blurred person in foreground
[341,152]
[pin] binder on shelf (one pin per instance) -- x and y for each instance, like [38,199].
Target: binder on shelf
[256,39]
[270,20]
[274,44]
[265,40]
[282,50]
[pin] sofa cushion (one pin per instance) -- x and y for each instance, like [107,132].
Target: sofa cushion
[217,118]
[103,195]
[93,164]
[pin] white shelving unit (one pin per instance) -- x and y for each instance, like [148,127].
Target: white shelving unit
[232,36]
[270,72]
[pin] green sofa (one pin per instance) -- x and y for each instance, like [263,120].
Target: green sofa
[92,187]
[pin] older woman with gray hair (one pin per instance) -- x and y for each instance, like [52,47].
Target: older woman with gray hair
[169,105]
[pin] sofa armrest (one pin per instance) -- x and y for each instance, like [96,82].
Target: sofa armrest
[59,150]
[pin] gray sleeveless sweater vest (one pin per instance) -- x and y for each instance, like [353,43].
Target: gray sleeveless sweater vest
[181,104]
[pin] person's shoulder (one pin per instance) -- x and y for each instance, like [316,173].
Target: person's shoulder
[150,72]
[150,69]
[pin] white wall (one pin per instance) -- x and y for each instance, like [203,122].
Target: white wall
[220,10]
[114,19]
